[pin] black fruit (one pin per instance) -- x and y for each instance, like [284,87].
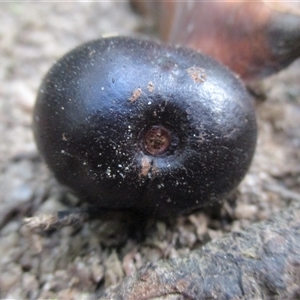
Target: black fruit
[134,124]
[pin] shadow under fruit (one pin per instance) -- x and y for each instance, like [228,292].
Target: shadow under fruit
[133,124]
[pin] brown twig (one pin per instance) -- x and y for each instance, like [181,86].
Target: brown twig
[44,222]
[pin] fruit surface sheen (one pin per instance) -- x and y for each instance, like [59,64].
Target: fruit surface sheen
[134,124]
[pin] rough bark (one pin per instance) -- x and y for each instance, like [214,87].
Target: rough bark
[261,262]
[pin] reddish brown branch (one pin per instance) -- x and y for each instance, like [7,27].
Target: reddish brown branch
[253,38]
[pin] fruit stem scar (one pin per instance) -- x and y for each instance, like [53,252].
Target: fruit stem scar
[157,140]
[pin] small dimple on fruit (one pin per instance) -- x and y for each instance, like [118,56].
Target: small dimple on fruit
[157,140]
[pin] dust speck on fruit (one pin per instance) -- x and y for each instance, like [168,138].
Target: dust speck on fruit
[150,86]
[64,137]
[135,95]
[197,74]
[145,165]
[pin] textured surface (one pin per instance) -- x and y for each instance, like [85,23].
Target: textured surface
[262,262]
[77,263]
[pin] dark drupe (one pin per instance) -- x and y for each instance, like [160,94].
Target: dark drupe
[133,124]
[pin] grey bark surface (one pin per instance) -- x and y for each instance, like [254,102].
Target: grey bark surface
[261,262]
